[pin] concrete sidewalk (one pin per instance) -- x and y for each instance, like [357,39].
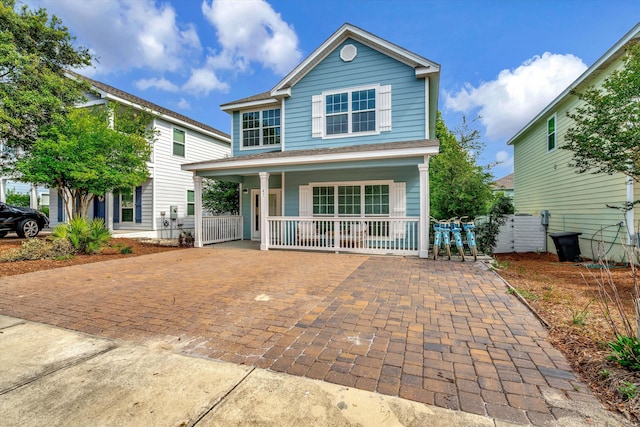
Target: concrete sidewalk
[54,377]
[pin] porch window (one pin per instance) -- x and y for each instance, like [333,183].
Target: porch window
[261,128]
[178,142]
[126,206]
[191,205]
[352,112]
[351,200]
[551,133]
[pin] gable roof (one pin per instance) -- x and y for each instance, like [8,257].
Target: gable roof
[506,182]
[613,54]
[110,92]
[423,66]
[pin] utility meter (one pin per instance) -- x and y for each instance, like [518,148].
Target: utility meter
[544,217]
[173,212]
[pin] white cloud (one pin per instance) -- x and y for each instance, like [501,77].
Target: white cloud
[203,81]
[128,33]
[183,104]
[248,31]
[509,102]
[162,84]
[504,160]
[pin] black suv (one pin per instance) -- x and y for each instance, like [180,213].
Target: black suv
[24,221]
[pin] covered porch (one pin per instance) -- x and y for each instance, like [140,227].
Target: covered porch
[363,199]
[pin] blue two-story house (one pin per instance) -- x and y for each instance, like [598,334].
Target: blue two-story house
[336,155]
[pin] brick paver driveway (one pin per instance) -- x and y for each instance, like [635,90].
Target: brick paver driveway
[444,333]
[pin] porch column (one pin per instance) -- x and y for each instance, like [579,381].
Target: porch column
[264,210]
[3,190]
[197,200]
[33,197]
[423,228]
[108,210]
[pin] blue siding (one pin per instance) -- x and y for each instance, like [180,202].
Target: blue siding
[409,175]
[368,68]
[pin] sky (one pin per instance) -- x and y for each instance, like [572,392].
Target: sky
[502,61]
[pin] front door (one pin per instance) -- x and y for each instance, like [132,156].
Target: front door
[275,209]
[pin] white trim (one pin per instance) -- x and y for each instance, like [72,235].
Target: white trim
[423,228]
[260,103]
[240,142]
[173,141]
[611,54]
[282,187]
[324,158]
[367,182]
[253,235]
[282,126]
[348,31]
[261,145]
[349,113]
[361,184]
[426,109]
[174,121]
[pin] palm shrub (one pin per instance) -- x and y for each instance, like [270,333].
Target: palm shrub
[87,237]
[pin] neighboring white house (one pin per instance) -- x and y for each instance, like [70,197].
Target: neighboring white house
[39,195]
[165,200]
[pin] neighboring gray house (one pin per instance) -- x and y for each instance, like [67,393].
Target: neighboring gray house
[504,185]
[147,211]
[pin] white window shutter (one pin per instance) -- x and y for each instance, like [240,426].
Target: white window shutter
[317,116]
[384,103]
[305,202]
[398,208]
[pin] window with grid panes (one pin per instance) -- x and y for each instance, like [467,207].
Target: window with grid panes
[261,128]
[323,202]
[178,142]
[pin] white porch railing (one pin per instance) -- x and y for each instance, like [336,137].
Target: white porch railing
[398,235]
[218,229]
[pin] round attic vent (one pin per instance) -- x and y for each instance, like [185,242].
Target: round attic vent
[348,53]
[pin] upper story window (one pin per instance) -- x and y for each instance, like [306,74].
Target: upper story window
[261,128]
[352,112]
[551,133]
[178,142]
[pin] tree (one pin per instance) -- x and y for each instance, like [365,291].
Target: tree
[487,232]
[35,53]
[220,197]
[459,187]
[85,156]
[606,134]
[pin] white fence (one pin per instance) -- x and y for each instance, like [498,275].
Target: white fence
[396,235]
[521,234]
[218,229]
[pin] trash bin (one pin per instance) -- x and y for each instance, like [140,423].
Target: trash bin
[567,246]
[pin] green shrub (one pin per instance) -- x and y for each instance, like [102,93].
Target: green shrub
[87,237]
[34,249]
[626,352]
[18,199]
[628,390]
